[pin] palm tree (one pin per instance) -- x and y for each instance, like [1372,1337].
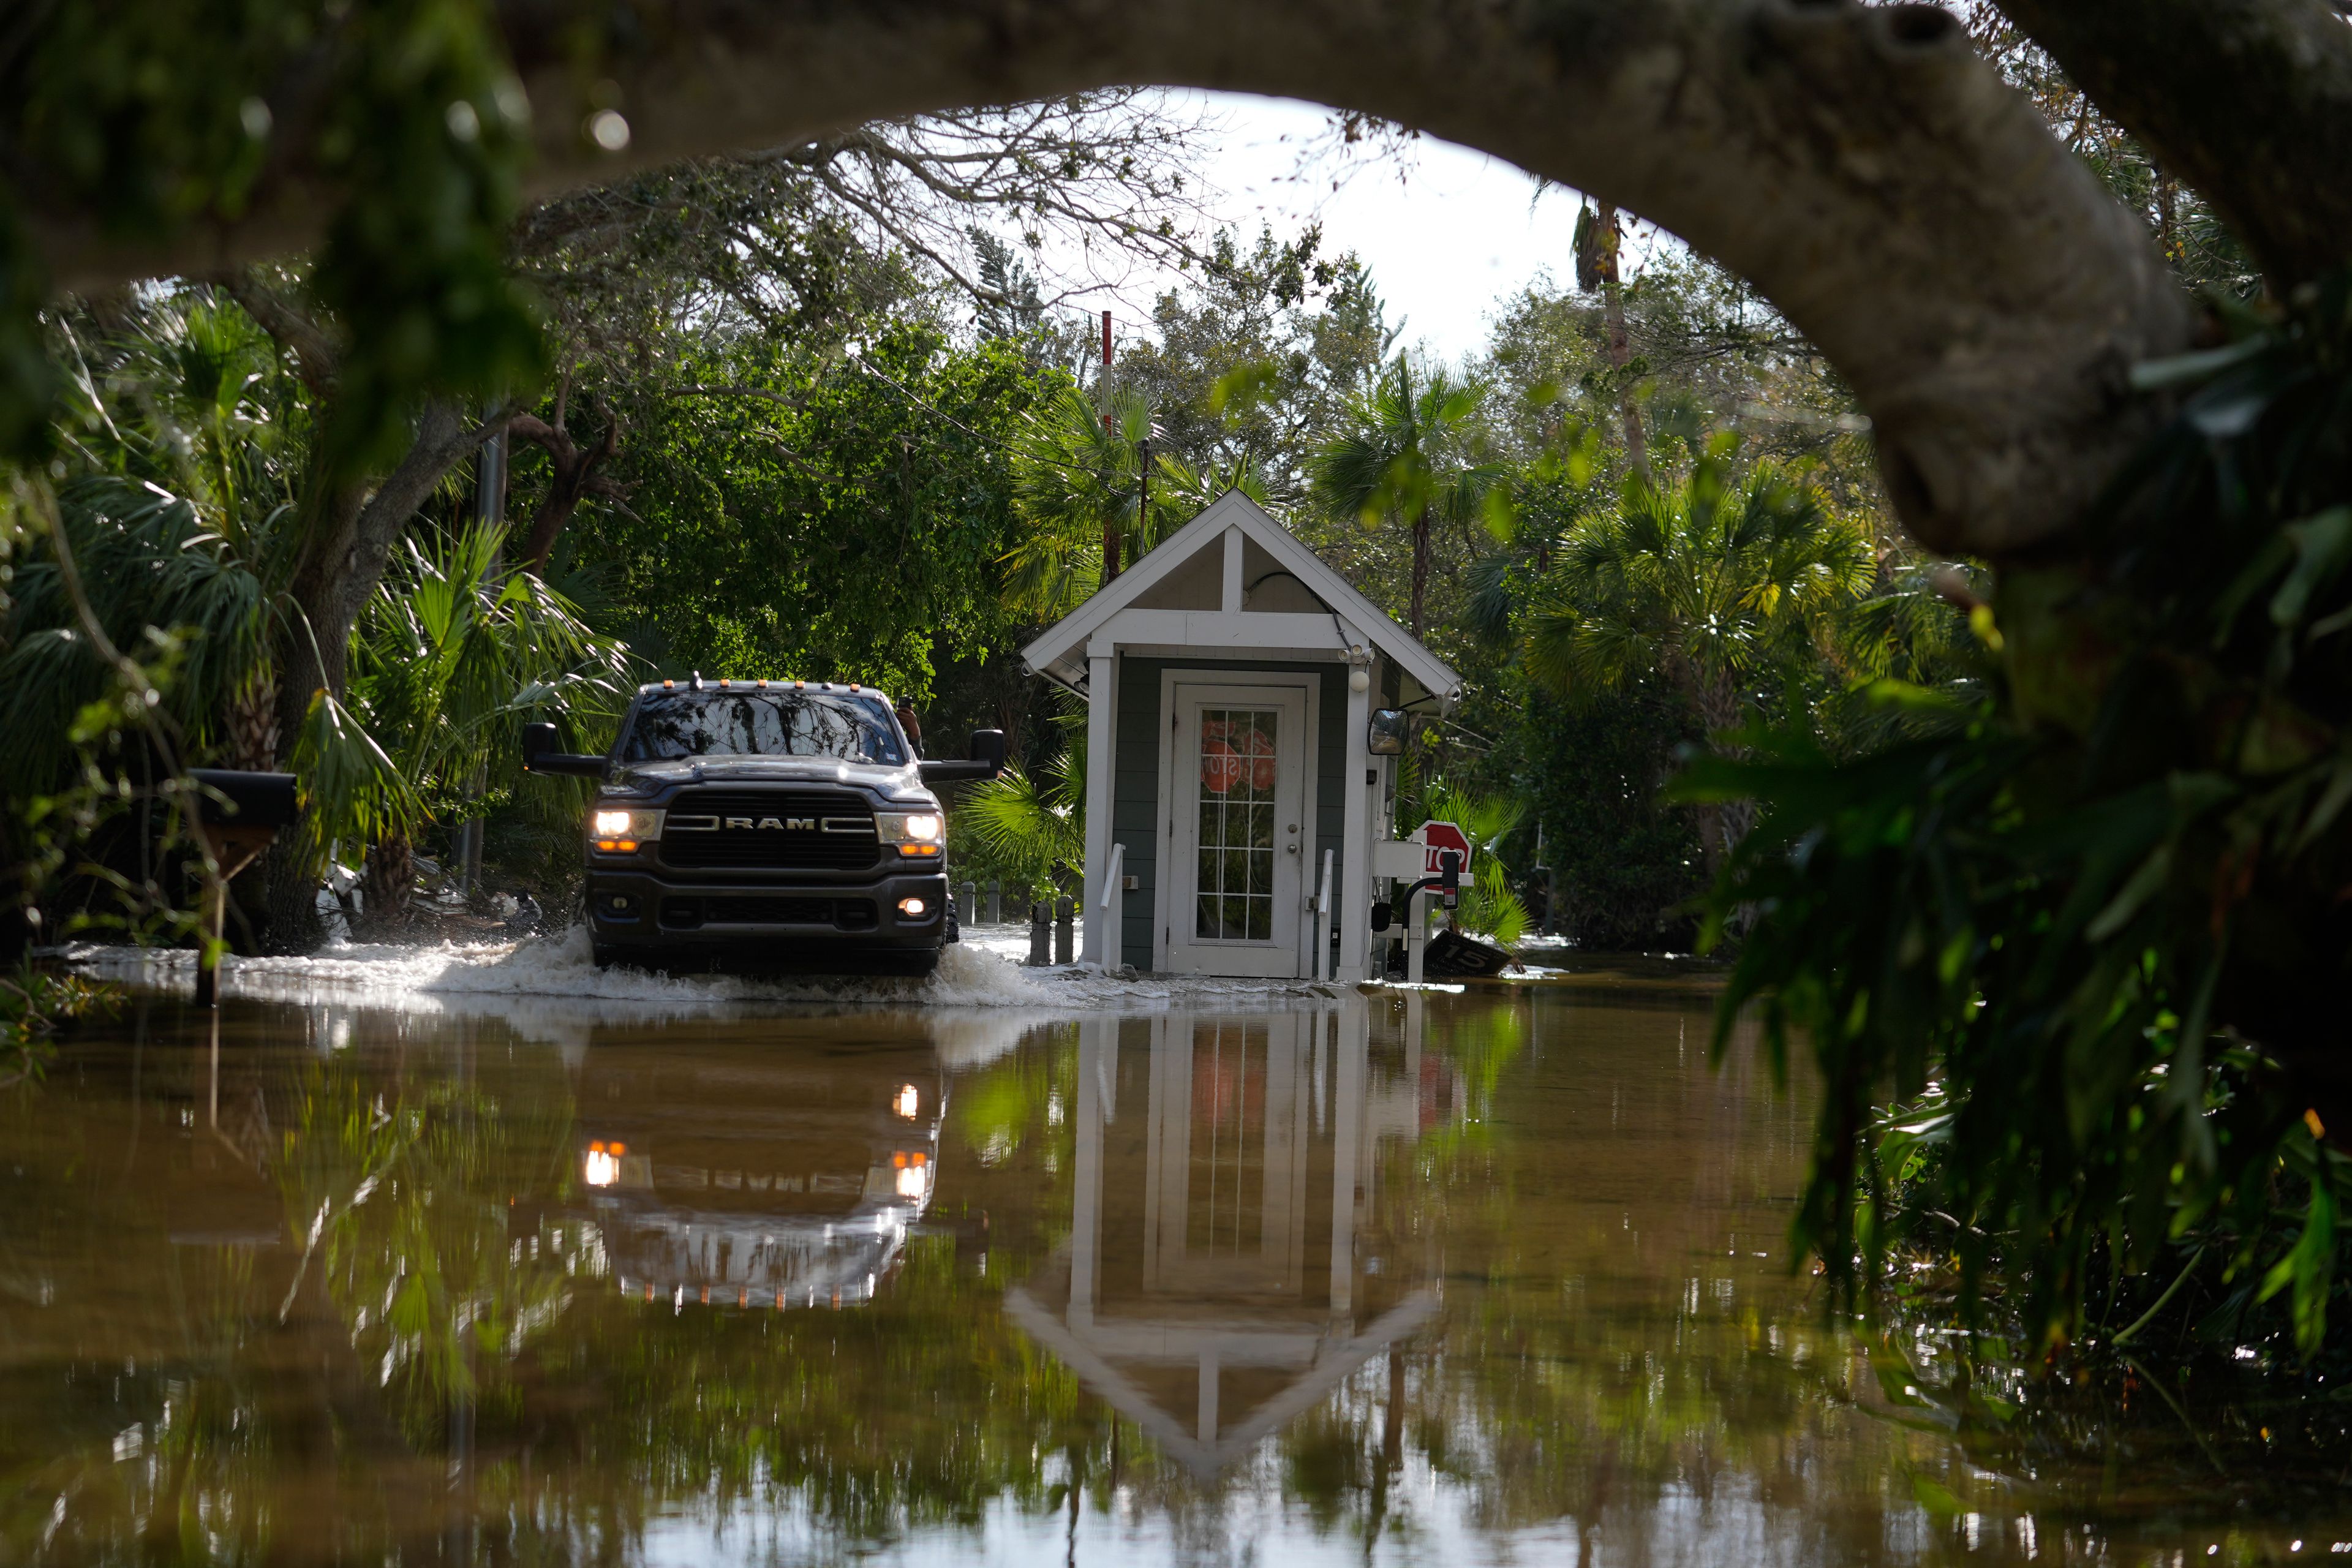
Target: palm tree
[1031,832]
[1724,584]
[1409,454]
[1489,904]
[455,655]
[183,526]
[1093,493]
[1080,482]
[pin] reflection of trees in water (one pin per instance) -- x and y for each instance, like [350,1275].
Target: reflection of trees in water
[374,1351]
[283,1309]
[453,1375]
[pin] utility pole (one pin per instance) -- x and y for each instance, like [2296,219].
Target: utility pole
[1110,518]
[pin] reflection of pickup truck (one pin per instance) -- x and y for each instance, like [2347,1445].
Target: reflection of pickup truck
[775,820]
[723,1177]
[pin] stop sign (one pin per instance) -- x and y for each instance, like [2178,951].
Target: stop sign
[1439,837]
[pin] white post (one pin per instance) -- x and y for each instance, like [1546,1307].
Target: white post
[1113,908]
[1097,1039]
[1356,835]
[1317,970]
[1416,934]
[1346,1134]
[1102,769]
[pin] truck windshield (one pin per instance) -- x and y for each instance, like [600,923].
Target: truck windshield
[673,725]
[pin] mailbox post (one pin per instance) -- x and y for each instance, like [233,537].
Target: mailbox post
[1445,855]
[238,816]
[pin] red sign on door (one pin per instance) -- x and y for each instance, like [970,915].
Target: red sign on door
[1440,837]
[1233,750]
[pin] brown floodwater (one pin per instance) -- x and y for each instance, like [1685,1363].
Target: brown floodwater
[1494,1276]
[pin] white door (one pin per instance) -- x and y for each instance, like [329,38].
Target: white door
[1238,832]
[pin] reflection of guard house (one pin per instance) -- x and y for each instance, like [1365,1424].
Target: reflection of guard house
[1232,787]
[1234,1256]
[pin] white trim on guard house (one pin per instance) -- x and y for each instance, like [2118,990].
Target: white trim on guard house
[1231,599]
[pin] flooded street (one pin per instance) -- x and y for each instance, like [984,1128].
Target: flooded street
[1494,1275]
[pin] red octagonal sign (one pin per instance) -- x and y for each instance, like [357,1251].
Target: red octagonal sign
[1441,836]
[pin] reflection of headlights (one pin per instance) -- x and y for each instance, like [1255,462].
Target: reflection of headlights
[602,1166]
[911,1182]
[907,1102]
[914,832]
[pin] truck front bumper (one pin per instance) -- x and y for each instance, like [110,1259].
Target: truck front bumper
[641,909]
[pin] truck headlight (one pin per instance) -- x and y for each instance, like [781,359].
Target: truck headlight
[915,833]
[624,830]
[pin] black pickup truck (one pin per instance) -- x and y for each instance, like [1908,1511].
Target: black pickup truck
[778,822]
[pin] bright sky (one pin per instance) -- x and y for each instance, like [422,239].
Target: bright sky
[1448,233]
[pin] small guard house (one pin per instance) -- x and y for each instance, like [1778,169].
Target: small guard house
[1234,797]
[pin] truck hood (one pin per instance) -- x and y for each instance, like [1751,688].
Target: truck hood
[891,783]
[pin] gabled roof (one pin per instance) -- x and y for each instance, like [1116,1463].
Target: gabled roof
[1070,637]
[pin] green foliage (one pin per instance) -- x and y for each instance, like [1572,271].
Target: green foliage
[456,654]
[1708,354]
[1489,904]
[1256,366]
[1080,476]
[1031,832]
[155,568]
[2097,916]
[1410,454]
[34,1004]
[1407,453]
[806,517]
[352,790]
[151,114]
[1720,581]
[1623,861]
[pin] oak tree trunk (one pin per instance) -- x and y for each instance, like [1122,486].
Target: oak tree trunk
[1910,214]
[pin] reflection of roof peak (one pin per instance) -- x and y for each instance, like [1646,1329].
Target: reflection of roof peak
[1336,1357]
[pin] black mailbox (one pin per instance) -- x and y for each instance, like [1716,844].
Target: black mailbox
[228,798]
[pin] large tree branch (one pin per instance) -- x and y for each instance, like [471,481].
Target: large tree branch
[2248,100]
[316,358]
[1872,178]
[572,477]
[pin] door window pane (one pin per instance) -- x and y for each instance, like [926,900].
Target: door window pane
[1238,767]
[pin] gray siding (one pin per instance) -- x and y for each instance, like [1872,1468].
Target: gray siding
[1135,785]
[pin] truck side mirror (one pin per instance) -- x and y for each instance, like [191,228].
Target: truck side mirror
[540,756]
[987,746]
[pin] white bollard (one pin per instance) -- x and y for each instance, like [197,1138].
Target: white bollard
[1321,968]
[1416,935]
[1111,908]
